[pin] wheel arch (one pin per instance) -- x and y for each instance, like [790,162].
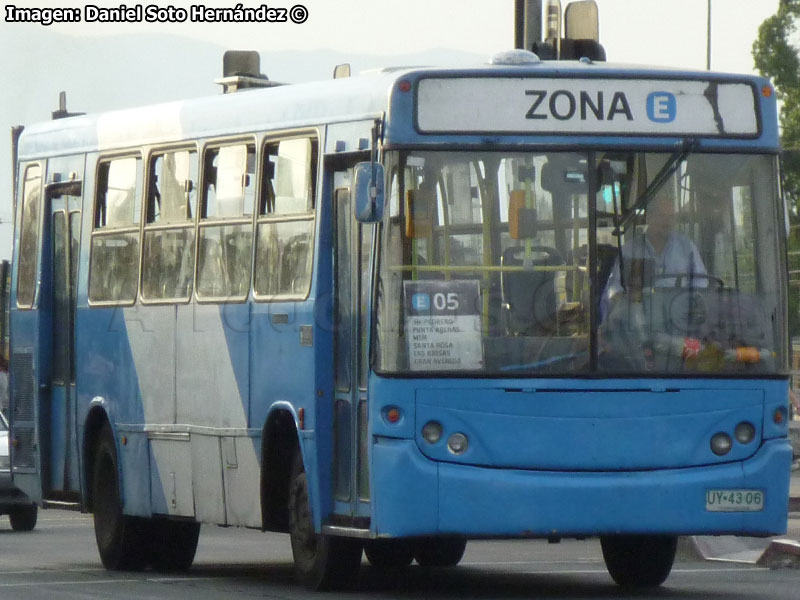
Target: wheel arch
[279,441]
[95,421]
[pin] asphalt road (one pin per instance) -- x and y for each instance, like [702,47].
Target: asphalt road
[59,560]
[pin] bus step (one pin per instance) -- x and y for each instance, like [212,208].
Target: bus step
[345,531]
[61,505]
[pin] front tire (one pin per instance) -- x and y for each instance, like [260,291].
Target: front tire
[23,518]
[639,561]
[173,544]
[389,554]
[122,540]
[440,551]
[321,562]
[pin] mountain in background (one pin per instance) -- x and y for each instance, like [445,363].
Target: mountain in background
[107,73]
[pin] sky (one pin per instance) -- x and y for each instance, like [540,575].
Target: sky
[652,32]
[671,32]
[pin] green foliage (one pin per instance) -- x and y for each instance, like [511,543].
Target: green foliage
[777,59]
[774,56]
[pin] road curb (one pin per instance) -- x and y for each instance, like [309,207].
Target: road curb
[729,548]
[794,505]
[781,554]
[764,552]
[688,549]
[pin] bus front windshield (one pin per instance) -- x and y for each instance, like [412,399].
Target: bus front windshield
[554,263]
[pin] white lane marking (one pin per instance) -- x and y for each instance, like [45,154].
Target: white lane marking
[593,571]
[720,570]
[55,519]
[41,571]
[171,579]
[53,583]
[530,562]
[106,581]
[193,579]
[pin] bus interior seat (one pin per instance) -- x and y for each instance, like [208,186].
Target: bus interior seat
[577,288]
[294,267]
[529,296]
[237,262]
[211,272]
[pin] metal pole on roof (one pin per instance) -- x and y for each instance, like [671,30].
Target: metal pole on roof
[527,23]
[708,38]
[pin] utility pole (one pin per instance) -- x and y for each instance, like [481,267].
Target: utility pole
[708,37]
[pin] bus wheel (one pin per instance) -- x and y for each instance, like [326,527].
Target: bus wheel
[23,518]
[321,562]
[639,561]
[173,544]
[388,554]
[122,541]
[440,551]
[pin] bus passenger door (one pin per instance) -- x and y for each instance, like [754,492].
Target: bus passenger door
[62,231]
[352,243]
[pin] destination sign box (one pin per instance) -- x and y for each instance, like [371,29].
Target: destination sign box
[587,106]
[443,325]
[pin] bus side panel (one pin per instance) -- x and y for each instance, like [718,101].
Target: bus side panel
[287,366]
[151,334]
[322,289]
[25,373]
[282,370]
[209,497]
[106,375]
[212,392]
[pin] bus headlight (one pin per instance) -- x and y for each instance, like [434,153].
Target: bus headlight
[744,432]
[457,443]
[432,432]
[721,443]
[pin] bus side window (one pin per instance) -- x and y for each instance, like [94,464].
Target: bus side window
[285,239]
[114,261]
[226,233]
[29,236]
[168,262]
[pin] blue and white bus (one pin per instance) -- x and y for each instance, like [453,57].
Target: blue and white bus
[376,312]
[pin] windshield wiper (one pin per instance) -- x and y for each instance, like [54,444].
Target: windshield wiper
[687,146]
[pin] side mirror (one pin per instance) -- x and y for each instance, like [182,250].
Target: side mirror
[369,187]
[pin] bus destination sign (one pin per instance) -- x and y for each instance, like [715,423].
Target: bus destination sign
[587,106]
[443,325]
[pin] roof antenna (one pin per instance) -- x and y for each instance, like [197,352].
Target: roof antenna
[241,70]
[62,112]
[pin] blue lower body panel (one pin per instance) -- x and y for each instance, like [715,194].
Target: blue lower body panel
[413,495]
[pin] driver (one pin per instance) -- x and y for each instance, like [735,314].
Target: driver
[666,250]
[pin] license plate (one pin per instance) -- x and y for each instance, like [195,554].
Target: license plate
[734,500]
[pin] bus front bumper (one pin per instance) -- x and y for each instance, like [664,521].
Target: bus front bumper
[413,496]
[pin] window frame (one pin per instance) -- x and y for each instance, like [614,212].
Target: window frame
[96,231]
[40,165]
[152,155]
[205,223]
[314,135]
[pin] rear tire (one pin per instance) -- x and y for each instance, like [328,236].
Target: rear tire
[122,540]
[440,551]
[389,554]
[639,561]
[173,544]
[321,562]
[23,518]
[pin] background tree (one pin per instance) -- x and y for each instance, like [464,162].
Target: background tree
[776,58]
